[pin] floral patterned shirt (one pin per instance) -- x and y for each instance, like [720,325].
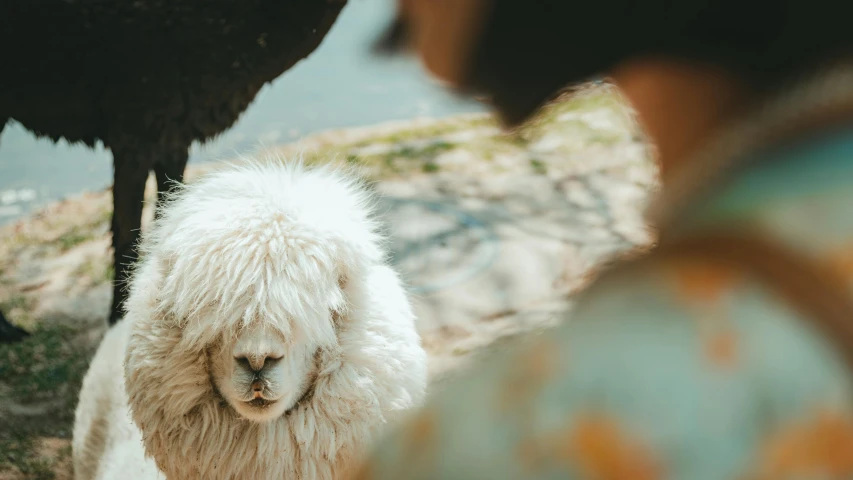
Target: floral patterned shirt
[672,370]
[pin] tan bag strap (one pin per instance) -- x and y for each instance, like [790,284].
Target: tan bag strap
[821,297]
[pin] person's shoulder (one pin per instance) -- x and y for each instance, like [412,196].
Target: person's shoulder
[716,307]
[655,358]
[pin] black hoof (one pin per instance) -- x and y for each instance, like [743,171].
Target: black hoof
[10,333]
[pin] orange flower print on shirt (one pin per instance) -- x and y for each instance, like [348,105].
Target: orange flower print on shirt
[703,282]
[421,431]
[702,286]
[721,348]
[527,375]
[363,472]
[821,447]
[597,448]
[839,261]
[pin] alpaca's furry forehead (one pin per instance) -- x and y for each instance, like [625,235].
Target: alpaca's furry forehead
[277,282]
[264,243]
[321,196]
[273,283]
[269,213]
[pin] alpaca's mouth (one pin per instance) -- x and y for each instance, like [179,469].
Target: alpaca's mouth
[260,402]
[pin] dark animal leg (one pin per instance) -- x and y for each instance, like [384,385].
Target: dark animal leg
[169,171]
[130,171]
[8,332]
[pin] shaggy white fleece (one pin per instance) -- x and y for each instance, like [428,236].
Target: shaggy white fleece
[106,444]
[265,336]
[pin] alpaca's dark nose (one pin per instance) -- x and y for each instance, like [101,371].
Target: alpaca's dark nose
[256,363]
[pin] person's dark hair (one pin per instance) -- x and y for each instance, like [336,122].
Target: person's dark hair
[531,50]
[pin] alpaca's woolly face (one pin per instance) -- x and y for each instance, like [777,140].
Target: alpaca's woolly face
[261,374]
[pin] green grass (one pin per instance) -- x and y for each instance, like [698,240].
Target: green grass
[82,233]
[73,237]
[48,366]
[432,131]
[97,269]
[398,160]
[44,366]
[18,307]
[418,153]
[18,452]
[15,301]
[538,166]
[435,149]
[585,100]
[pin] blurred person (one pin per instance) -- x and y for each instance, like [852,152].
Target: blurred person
[727,350]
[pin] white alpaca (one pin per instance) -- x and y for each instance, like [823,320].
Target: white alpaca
[265,337]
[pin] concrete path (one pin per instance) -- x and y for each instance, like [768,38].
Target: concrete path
[494,256]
